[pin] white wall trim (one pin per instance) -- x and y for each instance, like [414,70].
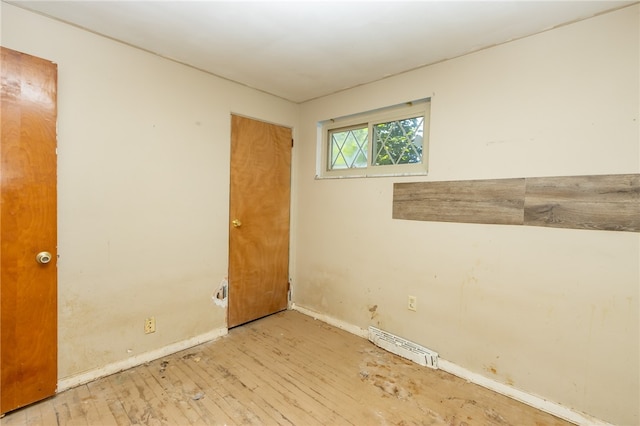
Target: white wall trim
[361,332]
[501,388]
[91,375]
[522,396]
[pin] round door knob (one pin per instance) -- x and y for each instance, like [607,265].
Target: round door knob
[236,223]
[43,257]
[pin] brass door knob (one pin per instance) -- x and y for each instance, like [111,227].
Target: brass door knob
[236,223]
[43,257]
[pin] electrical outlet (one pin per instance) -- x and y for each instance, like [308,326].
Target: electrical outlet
[150,325]
[413,303]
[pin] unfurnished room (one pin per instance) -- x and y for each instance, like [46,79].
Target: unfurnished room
[320,213]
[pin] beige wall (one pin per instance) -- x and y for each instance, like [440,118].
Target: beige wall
[143,203]
[143,190]
[552,312]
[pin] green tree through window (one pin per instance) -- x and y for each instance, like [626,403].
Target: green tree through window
[398,142]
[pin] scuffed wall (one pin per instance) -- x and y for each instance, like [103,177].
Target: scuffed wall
[553,312]
[143,183]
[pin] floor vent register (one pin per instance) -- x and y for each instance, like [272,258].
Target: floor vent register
[403,347]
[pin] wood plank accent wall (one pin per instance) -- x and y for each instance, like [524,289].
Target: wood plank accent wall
[604,202]
[469,201]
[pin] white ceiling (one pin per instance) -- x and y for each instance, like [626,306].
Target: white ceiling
[301,50]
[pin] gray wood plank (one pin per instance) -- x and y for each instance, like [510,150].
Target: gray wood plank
[590,188]
[597,202]
[496,201]
[606,202]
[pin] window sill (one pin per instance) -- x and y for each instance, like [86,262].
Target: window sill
[377,175]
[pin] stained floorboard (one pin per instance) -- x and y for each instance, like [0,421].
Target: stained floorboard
[285,369]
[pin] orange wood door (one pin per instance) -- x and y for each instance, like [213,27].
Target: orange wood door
[259,219]
[29,312]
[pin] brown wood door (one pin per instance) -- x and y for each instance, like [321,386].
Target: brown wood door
[259,219]
[29,312]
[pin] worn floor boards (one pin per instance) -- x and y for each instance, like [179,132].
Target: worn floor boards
[286,369]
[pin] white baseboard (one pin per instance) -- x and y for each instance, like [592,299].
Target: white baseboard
[361,332]
[91,375]
[501,388]
[524,397]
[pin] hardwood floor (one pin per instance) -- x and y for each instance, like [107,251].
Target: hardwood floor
[286,369]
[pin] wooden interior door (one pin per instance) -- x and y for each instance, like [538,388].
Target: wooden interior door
[259,219]
[28,285]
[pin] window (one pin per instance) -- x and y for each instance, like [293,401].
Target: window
[387,142]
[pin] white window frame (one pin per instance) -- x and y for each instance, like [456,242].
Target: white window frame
[417,108]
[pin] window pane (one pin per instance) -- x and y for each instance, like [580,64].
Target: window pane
[398,142]
[348,148]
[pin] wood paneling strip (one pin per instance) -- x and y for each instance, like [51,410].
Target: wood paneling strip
[605,202]
[473,201]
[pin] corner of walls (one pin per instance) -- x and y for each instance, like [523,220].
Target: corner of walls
[143,190]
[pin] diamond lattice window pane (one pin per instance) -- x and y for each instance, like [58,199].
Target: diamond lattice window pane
[348,148]
[398,142]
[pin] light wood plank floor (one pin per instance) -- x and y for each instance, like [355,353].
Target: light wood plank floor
[286,369]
